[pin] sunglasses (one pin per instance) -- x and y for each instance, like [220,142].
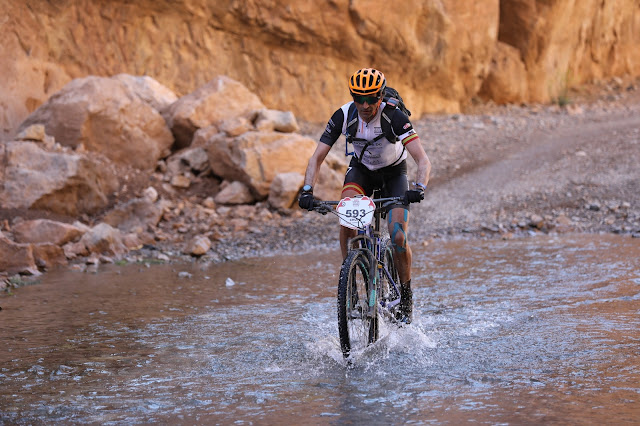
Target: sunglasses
[360,99]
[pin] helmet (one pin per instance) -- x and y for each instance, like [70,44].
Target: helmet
[367,81]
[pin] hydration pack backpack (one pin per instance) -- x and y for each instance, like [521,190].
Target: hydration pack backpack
[393,102]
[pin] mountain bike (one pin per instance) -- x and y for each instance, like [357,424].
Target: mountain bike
[369,285]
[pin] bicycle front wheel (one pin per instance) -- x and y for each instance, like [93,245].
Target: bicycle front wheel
[357,321]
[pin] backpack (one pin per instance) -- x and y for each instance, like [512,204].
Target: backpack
[393,101]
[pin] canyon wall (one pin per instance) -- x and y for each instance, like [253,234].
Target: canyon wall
[440,54]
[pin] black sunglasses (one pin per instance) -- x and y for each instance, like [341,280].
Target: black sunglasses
[360,99]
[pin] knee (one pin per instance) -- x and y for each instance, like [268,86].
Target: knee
[399,237]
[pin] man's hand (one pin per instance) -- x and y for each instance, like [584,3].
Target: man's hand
[414,196]
[306,201]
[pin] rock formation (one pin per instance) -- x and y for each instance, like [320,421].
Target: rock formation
[297,56]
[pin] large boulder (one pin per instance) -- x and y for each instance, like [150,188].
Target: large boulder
[104,115]
[255,158]
[16,258]
[42,231]
[220,99]
[58,181]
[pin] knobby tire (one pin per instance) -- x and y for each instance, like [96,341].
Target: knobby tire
[357,323]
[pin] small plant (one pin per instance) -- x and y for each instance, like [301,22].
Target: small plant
[562,93]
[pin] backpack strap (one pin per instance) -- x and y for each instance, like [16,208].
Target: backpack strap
[387,114]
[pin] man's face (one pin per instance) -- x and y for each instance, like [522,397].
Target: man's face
[367,106]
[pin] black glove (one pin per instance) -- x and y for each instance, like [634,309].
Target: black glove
[413,196]
[306,201]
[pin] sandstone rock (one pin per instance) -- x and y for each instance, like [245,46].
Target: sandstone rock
[180,181]
[279,121]
[73,250]
[506,81]
[234,193]
[235,126]
[103,239]
[220,99]
[330,178]
[41,231]
[36,133]
[60,182]
[49,255]
[255,158]
[197,246]
[193,160]
[138,213]
[283,193]
[103,115]
[16,258]
[149,90]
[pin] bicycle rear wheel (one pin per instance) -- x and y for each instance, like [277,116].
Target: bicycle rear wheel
[357,322]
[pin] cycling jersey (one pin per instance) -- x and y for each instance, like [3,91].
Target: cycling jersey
[380,153]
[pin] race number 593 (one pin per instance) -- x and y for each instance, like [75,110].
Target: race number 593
[356,212]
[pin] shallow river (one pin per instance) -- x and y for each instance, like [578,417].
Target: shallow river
[529,331]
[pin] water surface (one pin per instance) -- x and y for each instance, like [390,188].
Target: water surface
[537,330]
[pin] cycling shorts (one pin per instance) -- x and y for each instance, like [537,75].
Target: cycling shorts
[392,181]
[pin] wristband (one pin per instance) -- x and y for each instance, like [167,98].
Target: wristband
[420,185]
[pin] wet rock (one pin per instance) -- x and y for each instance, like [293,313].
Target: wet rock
[16,258]
[49,255]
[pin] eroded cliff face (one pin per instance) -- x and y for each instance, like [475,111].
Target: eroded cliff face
[297,56]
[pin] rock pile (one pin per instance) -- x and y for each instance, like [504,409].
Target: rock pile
[125,164]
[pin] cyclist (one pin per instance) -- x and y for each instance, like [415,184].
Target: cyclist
[377,162]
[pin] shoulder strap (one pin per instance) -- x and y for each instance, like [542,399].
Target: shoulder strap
[387,115]
[352,122]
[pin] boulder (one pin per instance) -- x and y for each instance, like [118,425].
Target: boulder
[60,182]
[42,231]
[234,193]
[104,115]
[137,214]
[255,158]
[279,121]
[16,258]
[49,255]
[197,246]
[149,90]
[284,190]
[220,99]
[103,239]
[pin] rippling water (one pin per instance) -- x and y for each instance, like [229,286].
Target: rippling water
[538,330]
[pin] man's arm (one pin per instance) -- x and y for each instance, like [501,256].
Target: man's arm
[422,160]
[311,175]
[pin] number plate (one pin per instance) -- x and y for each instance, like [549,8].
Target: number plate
[356,212]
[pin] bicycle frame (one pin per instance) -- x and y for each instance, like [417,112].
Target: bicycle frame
[369,240]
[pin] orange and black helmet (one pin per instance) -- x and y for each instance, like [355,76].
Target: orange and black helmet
[367,81]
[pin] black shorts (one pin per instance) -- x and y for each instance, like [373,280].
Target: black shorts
[392,181]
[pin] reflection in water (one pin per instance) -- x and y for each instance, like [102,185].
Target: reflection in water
[543,329]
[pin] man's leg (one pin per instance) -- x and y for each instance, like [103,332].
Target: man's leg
[398,225]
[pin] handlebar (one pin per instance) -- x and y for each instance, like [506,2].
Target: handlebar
[324,207]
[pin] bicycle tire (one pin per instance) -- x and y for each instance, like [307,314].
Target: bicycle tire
[357,323]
